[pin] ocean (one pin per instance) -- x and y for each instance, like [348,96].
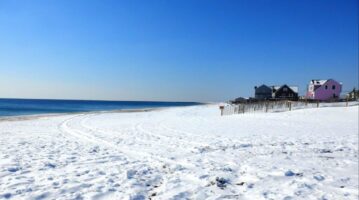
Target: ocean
[18,107]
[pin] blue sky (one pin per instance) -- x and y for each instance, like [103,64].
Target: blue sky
[175,50]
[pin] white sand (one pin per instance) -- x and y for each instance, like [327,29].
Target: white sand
[182,153]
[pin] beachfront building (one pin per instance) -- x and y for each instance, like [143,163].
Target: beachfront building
[324,89]
[353,95]
[263,92]
[285,92]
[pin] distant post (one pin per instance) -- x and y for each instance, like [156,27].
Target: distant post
[318,104]
[290,105]
[221,107]
[347,102]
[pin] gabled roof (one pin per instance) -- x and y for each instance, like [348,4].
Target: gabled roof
[263,85]
[293,88]
[318,82]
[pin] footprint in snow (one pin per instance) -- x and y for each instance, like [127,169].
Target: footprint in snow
[50,165]
[131,173]
[291,173]
[288,198]
[94,149]
[6,195]
[42,196]
[319,177]
[13,169]
[220,182]
[325,151]
[138,197]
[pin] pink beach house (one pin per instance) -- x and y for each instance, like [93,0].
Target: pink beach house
[324,89]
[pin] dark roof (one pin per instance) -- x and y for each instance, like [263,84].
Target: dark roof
[285,85]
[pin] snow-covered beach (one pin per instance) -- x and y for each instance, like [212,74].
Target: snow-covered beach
[182,153]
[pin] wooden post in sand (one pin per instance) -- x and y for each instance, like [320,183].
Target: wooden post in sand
[318,104]
[221,107]
[346,104]
[266,104]
[287,104]
[290,105]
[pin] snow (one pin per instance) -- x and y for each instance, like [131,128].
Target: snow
[294,88]
[318,82]
[182,153]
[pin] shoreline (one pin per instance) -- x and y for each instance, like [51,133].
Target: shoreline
[39,116]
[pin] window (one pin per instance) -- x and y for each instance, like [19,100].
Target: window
[285,89]
[326,87]
[333,87]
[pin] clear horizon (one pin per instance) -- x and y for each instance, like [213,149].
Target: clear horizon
[2,98]
[202,51]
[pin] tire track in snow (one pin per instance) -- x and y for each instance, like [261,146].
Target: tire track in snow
[146,138]
[150,137]
[104,143]
[167,169]
[191,167]
[142,159]
[170,170]
[171,140]
[184,135]
[138,129]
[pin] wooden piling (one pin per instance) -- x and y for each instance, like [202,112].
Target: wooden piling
[221,108]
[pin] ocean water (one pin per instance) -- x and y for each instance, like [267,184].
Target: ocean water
[18,107]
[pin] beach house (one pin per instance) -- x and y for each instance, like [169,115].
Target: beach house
[324,89]
[282,92]
[285,92]
[353,95]
[263,92]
